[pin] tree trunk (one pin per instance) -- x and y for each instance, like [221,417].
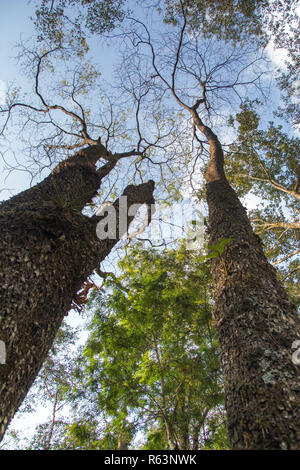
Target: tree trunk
[123,441]
[256,324]
[47,251]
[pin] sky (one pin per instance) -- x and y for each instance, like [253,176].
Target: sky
[15,24]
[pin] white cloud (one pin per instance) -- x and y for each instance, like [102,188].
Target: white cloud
[251,201]
[277,56]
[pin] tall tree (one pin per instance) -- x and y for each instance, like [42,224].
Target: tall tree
[48,246]
[48,249]
[257,323]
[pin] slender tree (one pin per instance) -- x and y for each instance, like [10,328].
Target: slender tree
[256,321]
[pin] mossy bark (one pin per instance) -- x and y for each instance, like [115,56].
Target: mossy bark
[256,324]
[47,251]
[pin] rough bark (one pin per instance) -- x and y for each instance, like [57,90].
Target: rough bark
[256,324]
[47,251]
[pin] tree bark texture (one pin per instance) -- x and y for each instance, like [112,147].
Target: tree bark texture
[256,324]
[47,251]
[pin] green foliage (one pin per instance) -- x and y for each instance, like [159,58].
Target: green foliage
[155,439]
[149,375]
[69,21]
[231,20]
[217,249]
[151,361]
[265,162]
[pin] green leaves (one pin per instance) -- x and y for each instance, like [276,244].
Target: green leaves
[236,21]
[264,162]
[217,249]
[158,359]
[70,21]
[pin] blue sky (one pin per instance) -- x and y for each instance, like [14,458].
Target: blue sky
[15,24]
[14,21]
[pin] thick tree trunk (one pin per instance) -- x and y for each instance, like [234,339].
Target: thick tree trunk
[47,251]
[256,324]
